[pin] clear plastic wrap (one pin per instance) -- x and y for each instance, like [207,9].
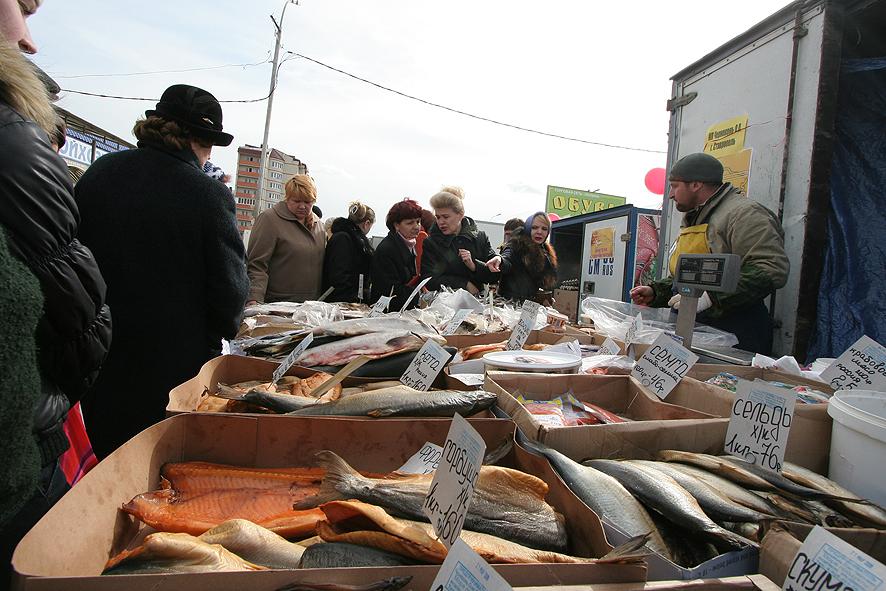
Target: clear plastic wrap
[612,319]
[317,313]
[609,365]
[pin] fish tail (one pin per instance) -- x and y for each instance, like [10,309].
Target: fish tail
[340,478]
[631,551]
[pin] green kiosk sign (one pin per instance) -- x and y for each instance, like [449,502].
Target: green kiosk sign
[569,202]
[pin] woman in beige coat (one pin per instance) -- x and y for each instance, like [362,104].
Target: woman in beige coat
[286,247]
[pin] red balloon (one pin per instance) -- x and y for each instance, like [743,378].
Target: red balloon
[554,217]
[655,181]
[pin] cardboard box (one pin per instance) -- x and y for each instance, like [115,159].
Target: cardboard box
[622,395]
[748,583]
[231,369]
[536,336]
[566,302]
[68,548]
[704,371]
[809,442]
[783,540]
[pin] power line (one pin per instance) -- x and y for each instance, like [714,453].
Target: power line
[481,118]
[265,61]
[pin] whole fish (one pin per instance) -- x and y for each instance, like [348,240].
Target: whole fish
[363,524]
[360,326]
[605,496]
[504,500]
[373,345]
[784,485]
[734,492]
[750,531]
[340,555]
[662,493]
[689,550]
[714,504]
[175,553]
[868,514]
[255,544]
[402,401]
[278,403]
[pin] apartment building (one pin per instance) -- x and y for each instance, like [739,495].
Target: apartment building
[281,167]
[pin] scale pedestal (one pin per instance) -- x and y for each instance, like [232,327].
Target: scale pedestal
[696,274]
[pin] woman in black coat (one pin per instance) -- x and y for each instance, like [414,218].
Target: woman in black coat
[528,262]
[393,268]
[455,251]
[349,255]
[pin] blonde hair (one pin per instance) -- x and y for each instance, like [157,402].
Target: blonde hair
[22,89]
[359,213]
[449,198]
[301,185]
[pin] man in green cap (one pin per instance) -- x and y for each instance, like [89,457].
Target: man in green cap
[718,218]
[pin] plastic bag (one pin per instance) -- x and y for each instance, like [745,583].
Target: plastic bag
[316,313]
[612,319]
[608,365]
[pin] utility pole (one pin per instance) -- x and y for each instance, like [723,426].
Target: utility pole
[263,162]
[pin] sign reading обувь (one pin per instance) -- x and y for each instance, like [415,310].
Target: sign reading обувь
[569,202]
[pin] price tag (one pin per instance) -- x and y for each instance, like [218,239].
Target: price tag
[827,562]
[759,424]
[360,288]
[609,347]
[456,321]
[292,357]
[454,481]
[413,294]
[862,367]
[380,307]
[465,570]
[425,366]
[424,461]
[469,379]
[662,367]
[524,326]
[634,327]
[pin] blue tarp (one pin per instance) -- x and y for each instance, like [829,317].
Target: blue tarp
[852,298]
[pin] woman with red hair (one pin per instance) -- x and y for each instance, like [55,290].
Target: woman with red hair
[393,267]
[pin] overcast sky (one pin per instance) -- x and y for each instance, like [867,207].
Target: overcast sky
[598,71]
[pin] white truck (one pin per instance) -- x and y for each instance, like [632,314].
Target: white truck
[769,102]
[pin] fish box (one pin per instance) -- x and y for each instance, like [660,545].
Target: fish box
[783,540]
[621,395]
[746,583]
[231,369]
[547,337]
[809,442]
[69,547]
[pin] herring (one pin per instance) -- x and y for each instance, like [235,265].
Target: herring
[403,401]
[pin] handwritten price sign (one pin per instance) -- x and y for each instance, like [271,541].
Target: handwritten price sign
[454,481]
[292,357]
[425,366]
[524,326]
[424,461]
[663,365]
[465,570]
[760,423]
[862,367]
[380,307]
[456,321]
[827,562]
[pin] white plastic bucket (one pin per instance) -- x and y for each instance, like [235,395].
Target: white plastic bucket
[858,442]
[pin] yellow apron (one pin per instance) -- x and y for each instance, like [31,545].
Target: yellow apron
[692,240]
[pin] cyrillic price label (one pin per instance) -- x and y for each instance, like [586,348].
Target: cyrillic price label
[862,367]
[413,294]
[634,327]
[425,366]
[292,357]
[424,461]
[465,570]
[827,562]
[456,321]
[524,326]
[663,365]
[452,488]
[760,423]
[609,347]
[380,307]
[360,288]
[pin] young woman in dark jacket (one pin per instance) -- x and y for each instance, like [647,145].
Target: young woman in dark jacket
[528,262]
[394,271]
[349,255]
[455,252]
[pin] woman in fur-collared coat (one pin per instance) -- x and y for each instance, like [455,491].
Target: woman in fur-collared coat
[528,262]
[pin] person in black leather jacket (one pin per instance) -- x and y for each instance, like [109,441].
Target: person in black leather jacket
[41,222]
[349,255]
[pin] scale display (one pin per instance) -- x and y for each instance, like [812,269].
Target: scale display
[707,272]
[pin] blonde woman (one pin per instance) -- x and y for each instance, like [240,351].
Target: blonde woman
[286,248]
[349,255]
[455,252]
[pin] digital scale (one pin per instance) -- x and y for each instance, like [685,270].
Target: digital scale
[696,274]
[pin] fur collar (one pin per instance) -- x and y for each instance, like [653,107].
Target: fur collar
[22,90]
[539,260]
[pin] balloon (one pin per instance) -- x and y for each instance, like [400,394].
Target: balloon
[554,217]
[655,181]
